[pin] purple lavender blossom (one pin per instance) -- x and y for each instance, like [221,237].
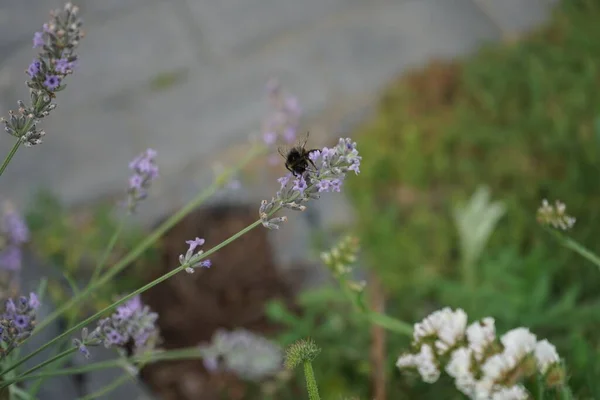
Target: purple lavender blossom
[131,321]
[283,121]
[14,234]
[63,66]
[52,82]
[38,39]
[57,43]
[145,171]
[300,184]
[17,322]
[34,68]
[332,166]
[193,259]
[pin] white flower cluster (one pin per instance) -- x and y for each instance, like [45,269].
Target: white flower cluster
[482,367]
[555,215]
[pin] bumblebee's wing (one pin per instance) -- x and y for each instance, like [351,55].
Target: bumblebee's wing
[283,150]
[302,141]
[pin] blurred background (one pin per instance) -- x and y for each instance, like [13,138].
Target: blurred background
[444,97]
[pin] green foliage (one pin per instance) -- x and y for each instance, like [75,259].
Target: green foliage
[74,242]
[521,118]
[328,318]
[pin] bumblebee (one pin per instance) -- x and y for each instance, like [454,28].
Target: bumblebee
[297,158]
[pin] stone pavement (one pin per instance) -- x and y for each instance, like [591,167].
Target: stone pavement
[187,78]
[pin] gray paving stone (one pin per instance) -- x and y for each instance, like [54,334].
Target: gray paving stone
[516,16]
[20,18]
[359,58]
[240,27]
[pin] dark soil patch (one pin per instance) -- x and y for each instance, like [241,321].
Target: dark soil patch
[231,294]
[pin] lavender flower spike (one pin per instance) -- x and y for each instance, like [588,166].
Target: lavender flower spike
[331,165]
[132,324]
[192,259]
[17,322]
[57,43]
[13,234]
[145,171]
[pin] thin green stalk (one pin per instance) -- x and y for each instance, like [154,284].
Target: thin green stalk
[149,240]
[109,248]
[108,388]
[10,156]
[576,247]
[180,354]
[390,323]
[311,383]
[20,393]
[40,365]
[35,388]
[131,295]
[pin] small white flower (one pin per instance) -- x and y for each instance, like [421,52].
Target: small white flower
[406,361]
[447,325]
[518,342]
[546,355]
[516,392]
[426,364]
[459,368]
[496,367]
[480,335]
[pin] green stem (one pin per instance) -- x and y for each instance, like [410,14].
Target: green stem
[109,248]
[40,365]
[34,389]
[149,240]
[180,354]
[108,388]
[576,247]
[390,323]
[311,383]
[10,156]
[131,295]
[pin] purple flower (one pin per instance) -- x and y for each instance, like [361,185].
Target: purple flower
[194,243]
[327,153]
[52,82]
[63,66]
[336,185]
[331,167]
[11,258]
[323,185]
[300,184]
[114,337]
[269,138]
[193,259]
[132,321]
[33,302]
[126,310]
[38,39]
[314,155]
[289,134]
[283,181]
[283,121]
[355,167]
[21,321]
[17,321]
[82,348]
[34,68]
[211,363]
[145,171]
